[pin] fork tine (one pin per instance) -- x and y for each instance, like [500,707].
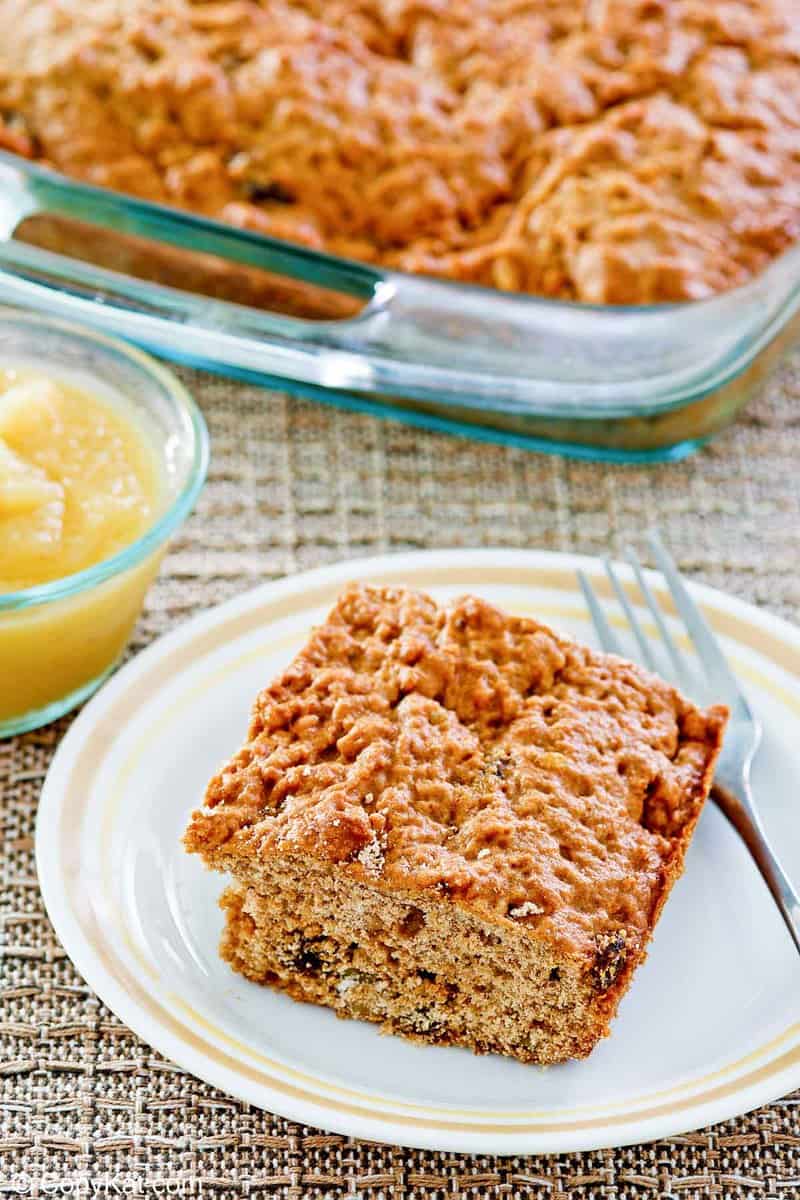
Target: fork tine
[704,641]
[608,640]
[679,663]
[630,613]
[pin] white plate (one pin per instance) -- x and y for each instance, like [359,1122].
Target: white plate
[710,1028]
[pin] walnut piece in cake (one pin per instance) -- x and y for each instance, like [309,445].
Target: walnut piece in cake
[456,823]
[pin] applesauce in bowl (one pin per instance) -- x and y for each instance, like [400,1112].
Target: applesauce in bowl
[102,455]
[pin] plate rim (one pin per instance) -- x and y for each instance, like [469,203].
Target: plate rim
[611,1131]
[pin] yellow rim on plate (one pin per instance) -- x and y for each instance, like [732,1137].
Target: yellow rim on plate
[203,1047]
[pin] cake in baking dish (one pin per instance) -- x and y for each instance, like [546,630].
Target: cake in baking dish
[612,151]
[455,823]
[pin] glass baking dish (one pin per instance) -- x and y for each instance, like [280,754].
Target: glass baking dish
[614,383]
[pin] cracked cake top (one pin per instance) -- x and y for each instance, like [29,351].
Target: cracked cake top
[458,751]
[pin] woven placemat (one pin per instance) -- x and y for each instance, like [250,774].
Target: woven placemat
[87,1108]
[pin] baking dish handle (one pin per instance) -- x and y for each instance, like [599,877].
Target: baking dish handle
[442,344]
[27,190]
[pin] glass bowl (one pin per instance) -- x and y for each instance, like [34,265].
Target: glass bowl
[59,640]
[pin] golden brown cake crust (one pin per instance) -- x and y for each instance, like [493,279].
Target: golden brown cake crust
[460,754]
[619,151]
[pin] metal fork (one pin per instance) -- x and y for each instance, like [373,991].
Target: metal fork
[714,683]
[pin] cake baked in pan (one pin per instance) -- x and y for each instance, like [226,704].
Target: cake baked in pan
[456,823]
[612,151]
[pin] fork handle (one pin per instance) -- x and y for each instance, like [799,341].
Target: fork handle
[741,812]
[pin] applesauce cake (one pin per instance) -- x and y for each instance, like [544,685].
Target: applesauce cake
[612,151]
[455,823]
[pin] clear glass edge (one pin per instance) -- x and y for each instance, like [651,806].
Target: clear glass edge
[179,509]
[370,274]
[397,383]
[653,396]
[469,431]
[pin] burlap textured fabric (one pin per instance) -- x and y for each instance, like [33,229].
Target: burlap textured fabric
[88,1109]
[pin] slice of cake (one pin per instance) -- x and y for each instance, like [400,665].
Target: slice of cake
[456,823]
